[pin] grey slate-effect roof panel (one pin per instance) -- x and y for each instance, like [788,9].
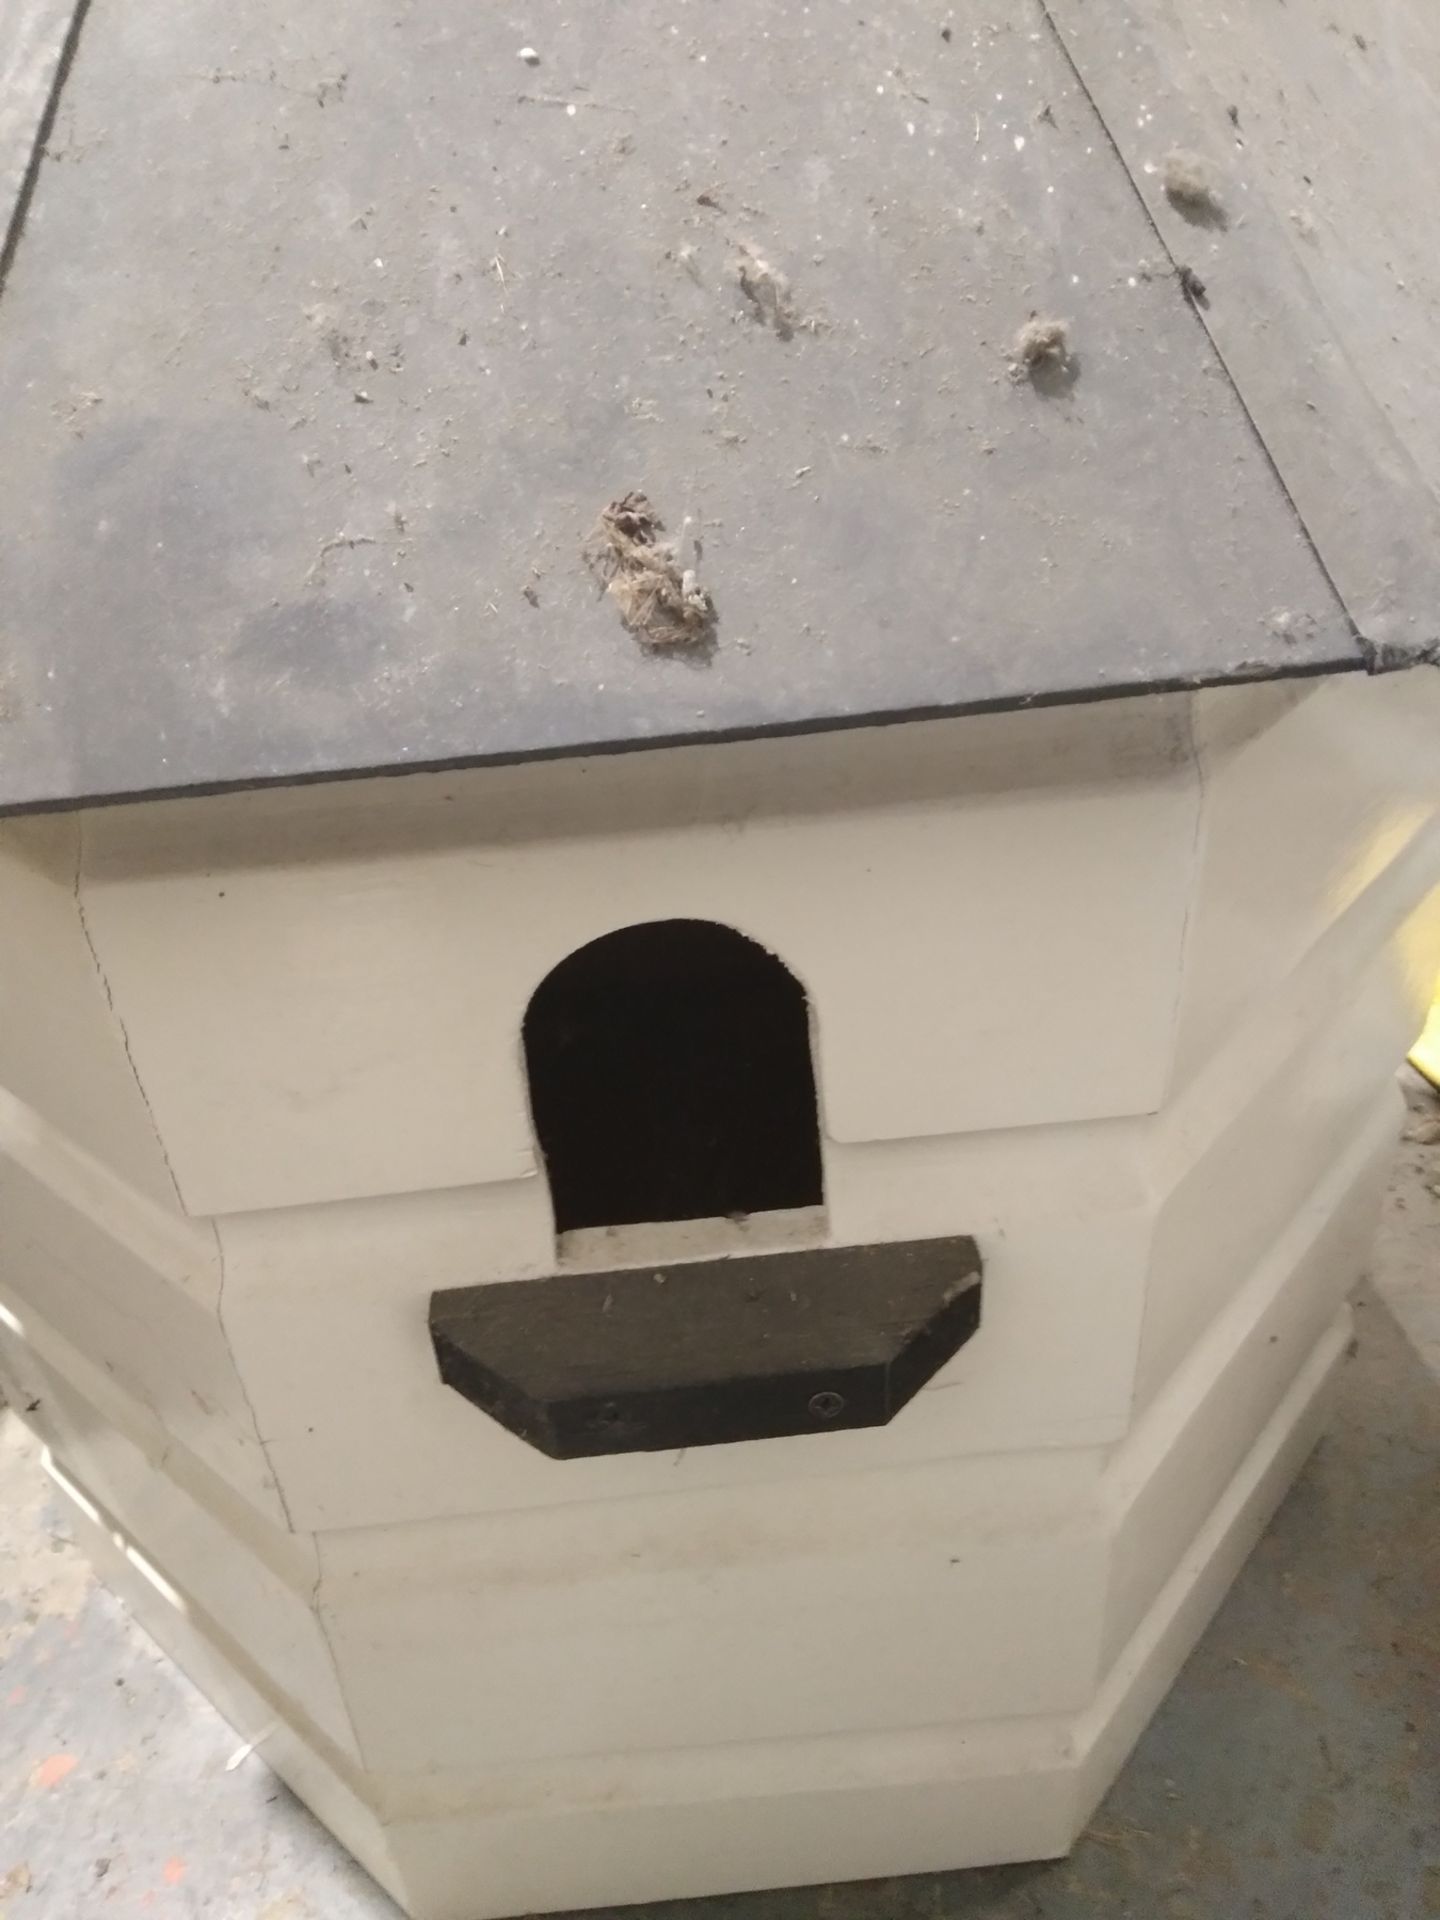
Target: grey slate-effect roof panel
[1321,130]
[332,331]
[34,37]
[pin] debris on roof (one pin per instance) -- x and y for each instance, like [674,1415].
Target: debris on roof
[661,601]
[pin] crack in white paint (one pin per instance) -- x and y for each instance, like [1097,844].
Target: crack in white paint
[260,1439]
[1192,893]
[318,1609]
[104,980]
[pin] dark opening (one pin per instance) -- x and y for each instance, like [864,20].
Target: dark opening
[670,1079]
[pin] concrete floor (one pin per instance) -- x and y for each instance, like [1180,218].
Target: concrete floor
[1293,1774]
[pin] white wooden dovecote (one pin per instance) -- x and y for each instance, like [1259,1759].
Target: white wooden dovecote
[1030,741]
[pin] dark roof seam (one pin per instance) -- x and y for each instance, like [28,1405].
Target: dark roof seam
[1375,659]
[864,721]
[25,192]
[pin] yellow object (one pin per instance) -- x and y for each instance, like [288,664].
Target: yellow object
[1426,1053]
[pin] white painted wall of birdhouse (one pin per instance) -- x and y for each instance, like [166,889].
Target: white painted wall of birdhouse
[327,1310]
[323,997]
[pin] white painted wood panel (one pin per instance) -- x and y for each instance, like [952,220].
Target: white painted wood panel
[332,1010]
[263,1605]
[62,1048]
[1139,1680]
[1251,1172]
[920,1597]
[1160,1487]
[67,1273]
[327,1309]
[318,1773]
[1316,798]
[878,1818]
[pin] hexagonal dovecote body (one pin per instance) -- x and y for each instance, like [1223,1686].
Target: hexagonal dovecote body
[707,1291]
[1177,927]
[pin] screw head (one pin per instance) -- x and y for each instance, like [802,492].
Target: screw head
[827,1405]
